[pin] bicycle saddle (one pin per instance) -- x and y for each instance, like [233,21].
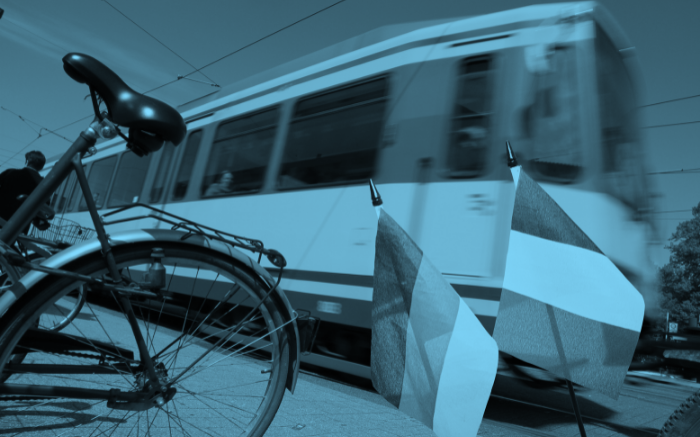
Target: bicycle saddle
[150,121]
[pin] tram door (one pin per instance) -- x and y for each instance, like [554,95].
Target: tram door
[460,211]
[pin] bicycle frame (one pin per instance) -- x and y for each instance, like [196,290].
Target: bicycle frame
[12,230]
[71,160]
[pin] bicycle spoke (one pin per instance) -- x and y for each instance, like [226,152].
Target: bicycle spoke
[189,305]
[162,306]
[201,330]
[218,343]
[192,425]
[227,419]
[278,328]
[213,335]
[206,296]
[155,415]
[191,393]
[179,422]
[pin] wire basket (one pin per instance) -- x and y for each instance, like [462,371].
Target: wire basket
[63,231]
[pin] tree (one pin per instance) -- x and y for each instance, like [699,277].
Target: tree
[680,278]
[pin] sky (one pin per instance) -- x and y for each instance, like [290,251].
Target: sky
[149,43]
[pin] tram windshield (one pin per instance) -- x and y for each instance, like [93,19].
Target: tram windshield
[552,119]
[622,157]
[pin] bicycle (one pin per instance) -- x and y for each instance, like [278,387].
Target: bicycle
[37,246]
[172,317]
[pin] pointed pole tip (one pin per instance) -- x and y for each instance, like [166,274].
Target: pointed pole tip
[512,162]
[376,198]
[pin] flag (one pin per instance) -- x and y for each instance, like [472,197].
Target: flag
[565,307]
[431,357]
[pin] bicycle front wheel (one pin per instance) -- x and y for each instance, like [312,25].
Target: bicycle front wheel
[210,336]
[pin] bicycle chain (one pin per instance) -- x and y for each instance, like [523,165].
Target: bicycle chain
[29,398]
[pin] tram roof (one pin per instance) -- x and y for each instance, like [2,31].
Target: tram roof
[524,17]
[519,18]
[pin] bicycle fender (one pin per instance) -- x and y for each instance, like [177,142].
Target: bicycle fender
[93,248]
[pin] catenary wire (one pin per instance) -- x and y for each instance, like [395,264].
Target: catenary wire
[672,124]
[159,41]
[42,127]
[669,101]
[211,63]
[245,47]
[265,37]
[681,171]
[39,134]
[664,212]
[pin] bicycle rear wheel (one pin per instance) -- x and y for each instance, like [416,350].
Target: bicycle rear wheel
[207,313]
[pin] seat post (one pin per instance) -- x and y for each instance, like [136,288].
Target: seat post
[99,226]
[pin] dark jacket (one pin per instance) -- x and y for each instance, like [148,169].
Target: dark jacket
[14,182]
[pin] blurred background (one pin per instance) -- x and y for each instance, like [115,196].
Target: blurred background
[151,43]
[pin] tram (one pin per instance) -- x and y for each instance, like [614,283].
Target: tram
[424,109]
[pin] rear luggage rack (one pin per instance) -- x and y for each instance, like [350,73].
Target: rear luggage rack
[193,228]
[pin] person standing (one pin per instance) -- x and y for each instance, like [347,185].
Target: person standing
[15,182]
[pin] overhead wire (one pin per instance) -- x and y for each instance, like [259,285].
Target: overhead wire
[666,212]
[39,134]
[265,37]
[77,121]
[683,170]
[243,48]
[160,42]
[30,121]
[209,64]
[672,218]
[672,124]
[669,101]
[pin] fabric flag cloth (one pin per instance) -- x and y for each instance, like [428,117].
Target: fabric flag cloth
[431,357]
[565,307]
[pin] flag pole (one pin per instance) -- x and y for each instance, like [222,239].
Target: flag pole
[376,198]
[513,162]
[581,430]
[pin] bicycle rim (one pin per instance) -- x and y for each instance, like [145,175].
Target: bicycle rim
[235,389]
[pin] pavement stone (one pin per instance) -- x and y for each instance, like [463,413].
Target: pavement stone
[322,407]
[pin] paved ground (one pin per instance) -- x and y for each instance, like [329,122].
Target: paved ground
[321,407]
[325,408]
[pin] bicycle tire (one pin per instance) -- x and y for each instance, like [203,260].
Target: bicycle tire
[186,266]
[685,421]
[13,275]
[50,323]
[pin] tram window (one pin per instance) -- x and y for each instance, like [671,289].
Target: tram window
[186,165]
[60,197]
[552,121]
[77,194]
[98,181]
[240,154]
[161,174]
[467,154]
[128,183]
[57,194]
[334,136]
[621,158]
